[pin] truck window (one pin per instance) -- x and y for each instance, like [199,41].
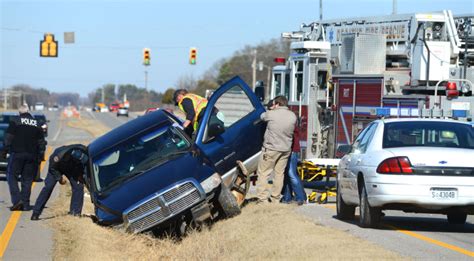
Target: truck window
[233,105]
[322,79]
[277,83]
[298,79]
[286,92]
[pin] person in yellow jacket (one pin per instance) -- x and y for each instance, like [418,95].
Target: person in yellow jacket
[192,105]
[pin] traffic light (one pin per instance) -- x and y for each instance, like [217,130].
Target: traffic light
[192,56]
[48,47]
[146,56]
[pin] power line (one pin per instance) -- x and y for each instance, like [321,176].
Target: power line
[21,29]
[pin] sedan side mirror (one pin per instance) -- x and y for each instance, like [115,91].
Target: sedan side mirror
[344,149]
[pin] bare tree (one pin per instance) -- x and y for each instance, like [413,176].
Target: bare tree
[186,82]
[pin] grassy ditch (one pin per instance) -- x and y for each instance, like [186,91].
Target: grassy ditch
[266,232]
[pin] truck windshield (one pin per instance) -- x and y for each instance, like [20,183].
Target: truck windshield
[137,155]
[428,134]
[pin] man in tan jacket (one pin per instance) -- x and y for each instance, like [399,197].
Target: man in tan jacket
[276,149]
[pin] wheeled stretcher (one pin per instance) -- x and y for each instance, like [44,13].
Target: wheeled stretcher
[319,172]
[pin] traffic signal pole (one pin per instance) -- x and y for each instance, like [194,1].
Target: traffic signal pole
[146,63]
[146,79]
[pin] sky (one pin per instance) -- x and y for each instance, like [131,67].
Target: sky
[110,35]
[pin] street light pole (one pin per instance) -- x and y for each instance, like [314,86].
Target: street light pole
[254,69]
[320,10]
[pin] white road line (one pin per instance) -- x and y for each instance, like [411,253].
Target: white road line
[59,130]
[92,114]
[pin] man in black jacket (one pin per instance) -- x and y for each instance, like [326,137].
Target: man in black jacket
[25,143]
[70,161]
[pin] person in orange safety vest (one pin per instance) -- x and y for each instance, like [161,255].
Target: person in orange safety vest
[192,105]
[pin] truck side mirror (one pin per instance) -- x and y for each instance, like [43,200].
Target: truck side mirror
[215,129]
[260,93]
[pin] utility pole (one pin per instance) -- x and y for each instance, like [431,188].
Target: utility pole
[269,83]
[146,80]
[394,7]
[5,100]
[320,10]
[254,69]
[103,95]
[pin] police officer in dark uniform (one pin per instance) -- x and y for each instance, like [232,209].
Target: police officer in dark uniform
[70,161]
[25,143]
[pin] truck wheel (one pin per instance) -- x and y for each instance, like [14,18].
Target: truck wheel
[227,203]
[457,218]
[369,216]
[344,211]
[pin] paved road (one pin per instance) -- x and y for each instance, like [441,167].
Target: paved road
[21,239]
[418,236]
[110,119]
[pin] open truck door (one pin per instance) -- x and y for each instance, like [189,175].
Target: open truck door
[231,130]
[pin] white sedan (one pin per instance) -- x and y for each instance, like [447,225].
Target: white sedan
[414,165]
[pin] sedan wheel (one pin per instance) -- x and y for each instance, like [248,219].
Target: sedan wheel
[369,216]
[344,211]
[458,218]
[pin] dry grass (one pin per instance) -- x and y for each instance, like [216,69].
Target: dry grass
[94,127]
[261,232]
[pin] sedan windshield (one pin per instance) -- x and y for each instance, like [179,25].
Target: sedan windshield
[138,155]
[428,134]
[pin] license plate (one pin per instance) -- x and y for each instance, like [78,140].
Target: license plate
[444,194]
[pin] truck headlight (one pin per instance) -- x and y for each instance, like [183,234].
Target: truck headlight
[211,183]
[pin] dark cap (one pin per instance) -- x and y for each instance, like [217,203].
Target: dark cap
[177,93]
[79,156]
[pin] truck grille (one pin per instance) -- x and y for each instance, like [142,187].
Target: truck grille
[162,206]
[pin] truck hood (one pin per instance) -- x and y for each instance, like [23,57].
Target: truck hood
[436,157]
[111,204]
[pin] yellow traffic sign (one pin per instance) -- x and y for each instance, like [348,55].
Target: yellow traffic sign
[48,47]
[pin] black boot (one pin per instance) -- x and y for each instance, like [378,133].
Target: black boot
[17,207]
[35,216]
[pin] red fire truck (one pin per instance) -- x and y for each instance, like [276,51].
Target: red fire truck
[344,73]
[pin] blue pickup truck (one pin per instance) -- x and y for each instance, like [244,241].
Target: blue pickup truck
[148,175]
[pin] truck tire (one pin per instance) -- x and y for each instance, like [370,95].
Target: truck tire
[457,218]
[369,216]
[227,203]
[344,211]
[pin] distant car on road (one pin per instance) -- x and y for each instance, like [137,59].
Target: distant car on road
[148,175]
[54,108]
[414,165]
[152,109]
[39,106]
[114,107]
[122,112]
